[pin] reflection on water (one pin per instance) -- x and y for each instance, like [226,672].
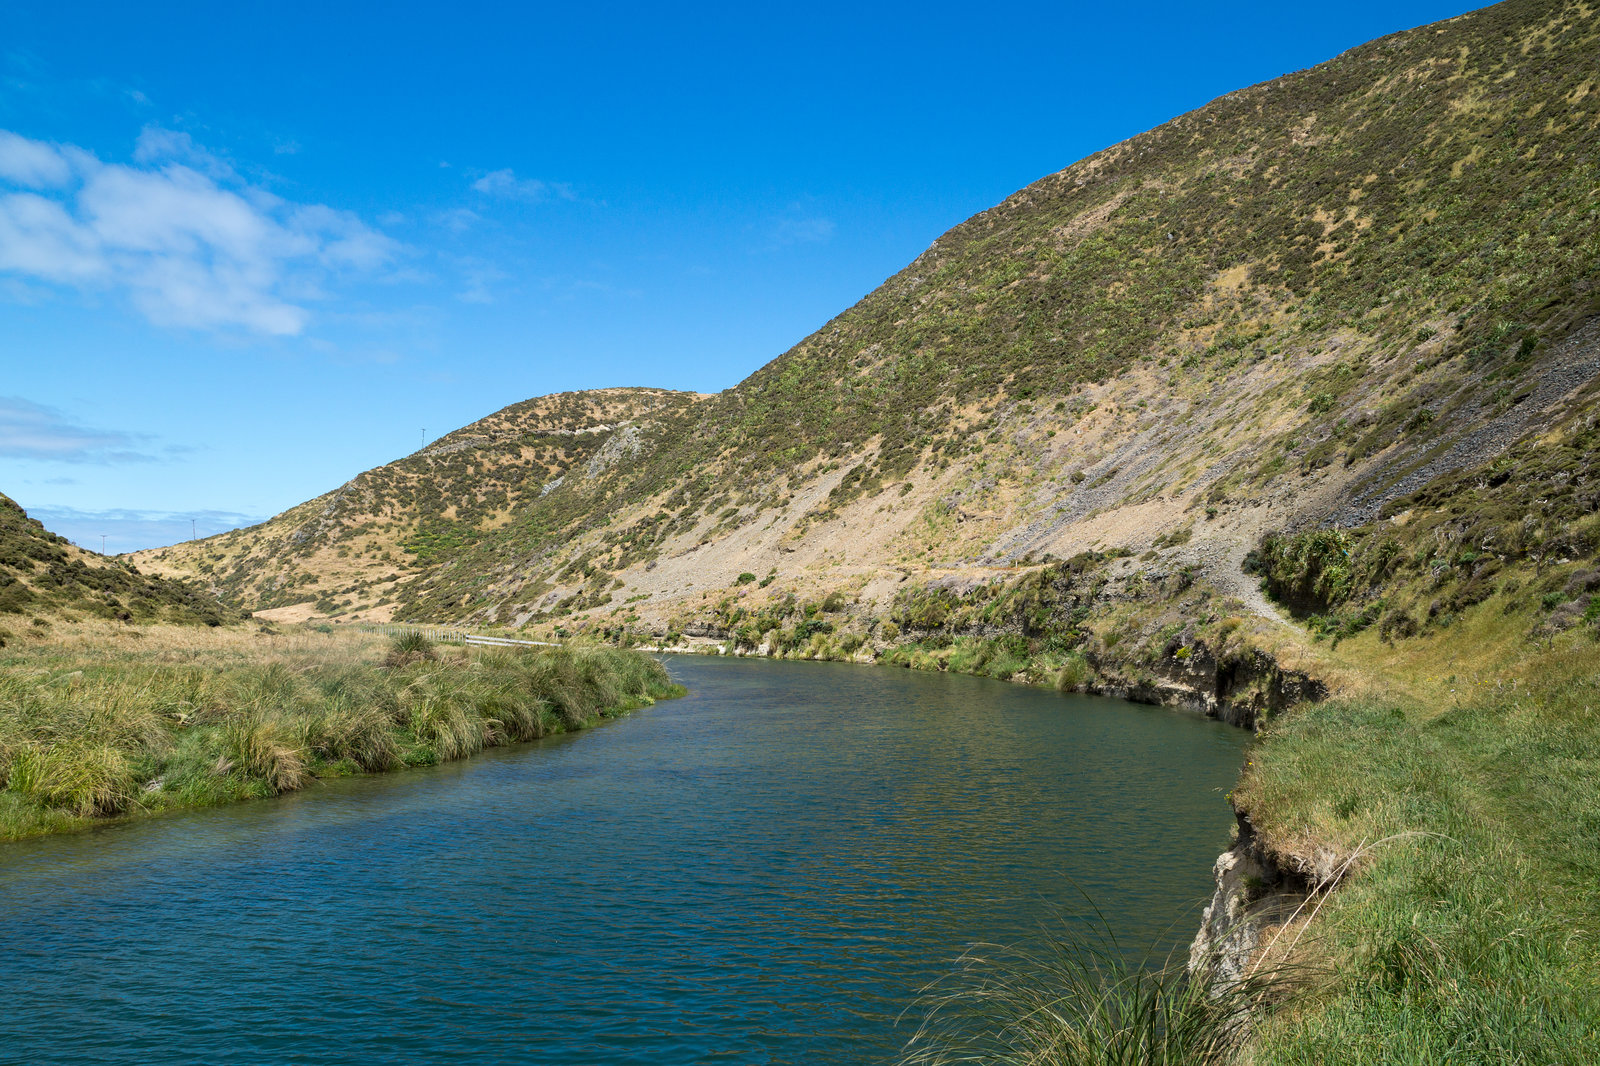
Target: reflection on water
[763,872]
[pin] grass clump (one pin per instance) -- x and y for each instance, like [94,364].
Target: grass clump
[98,720]
[1082,999]
[86,780]
[408,647]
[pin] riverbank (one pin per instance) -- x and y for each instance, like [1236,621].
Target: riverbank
[1419,814]
[1089,624]
[1457,813]
[1447,789]
[99,720]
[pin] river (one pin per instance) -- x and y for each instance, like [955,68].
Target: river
[765,871]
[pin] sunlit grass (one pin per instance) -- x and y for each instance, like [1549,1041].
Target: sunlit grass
[1081,998]
[100,720]
[1473,937]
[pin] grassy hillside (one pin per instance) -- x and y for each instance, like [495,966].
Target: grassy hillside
[1305,299]
[348,552]
[44,579]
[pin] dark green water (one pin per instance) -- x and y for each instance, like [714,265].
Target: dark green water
[763,872]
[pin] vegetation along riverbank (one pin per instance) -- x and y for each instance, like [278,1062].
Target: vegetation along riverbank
[1287,410]
[99,720]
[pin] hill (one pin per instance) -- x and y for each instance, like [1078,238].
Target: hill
[349,553]
[1286,410]
[1284,310]
[44,578]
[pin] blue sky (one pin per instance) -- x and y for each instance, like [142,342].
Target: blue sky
[249,250]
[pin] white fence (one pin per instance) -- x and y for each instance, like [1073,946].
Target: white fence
[472,638]
[461,636]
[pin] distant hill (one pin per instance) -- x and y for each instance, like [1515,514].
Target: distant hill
[1297,307]
[352,551]
[44,577]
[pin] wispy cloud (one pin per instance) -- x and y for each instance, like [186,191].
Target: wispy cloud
[479,276]
[457,219]
[802,229]
[178,232]
[129,530]
[505,183]
[32,431]
[157,145]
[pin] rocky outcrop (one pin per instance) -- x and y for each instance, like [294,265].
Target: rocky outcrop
[1240,690]
[1254,892]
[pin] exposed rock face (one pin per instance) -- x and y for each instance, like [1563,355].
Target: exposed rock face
[1240,692]
[1254,893]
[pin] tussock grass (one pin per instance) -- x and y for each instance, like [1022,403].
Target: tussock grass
[1082,999]
[408,647]
[1074,673]
[261,748]
[82,778]
[99,720]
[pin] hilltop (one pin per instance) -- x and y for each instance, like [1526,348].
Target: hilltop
[349,553]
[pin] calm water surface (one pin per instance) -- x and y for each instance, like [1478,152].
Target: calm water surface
[763,872]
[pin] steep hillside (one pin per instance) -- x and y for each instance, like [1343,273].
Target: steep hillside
[1285,309]
[44,578]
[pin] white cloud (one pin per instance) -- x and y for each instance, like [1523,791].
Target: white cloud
[32,164]
[32,431]
[506,183]
[179,233]
[39,238]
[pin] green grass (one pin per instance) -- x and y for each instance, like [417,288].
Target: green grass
[1456,842]
[1472,937]
[99,721]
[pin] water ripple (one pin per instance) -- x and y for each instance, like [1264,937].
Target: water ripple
[764,872]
